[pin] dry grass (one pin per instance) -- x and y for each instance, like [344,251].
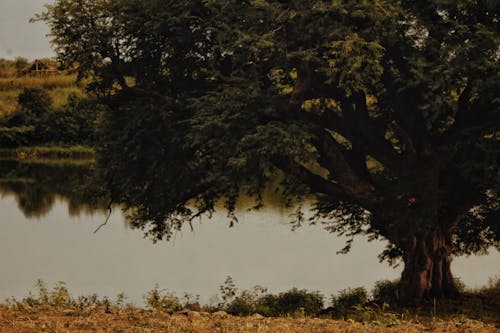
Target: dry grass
[8,101]
[59,88]
[46,82]
[102,319]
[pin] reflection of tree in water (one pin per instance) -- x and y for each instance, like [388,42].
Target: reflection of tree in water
[37,186]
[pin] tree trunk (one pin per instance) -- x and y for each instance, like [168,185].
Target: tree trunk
[427,271]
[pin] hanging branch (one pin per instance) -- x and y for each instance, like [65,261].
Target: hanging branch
[110,210]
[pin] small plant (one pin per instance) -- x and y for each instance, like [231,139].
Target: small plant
[43,292]
[120,300]
[164,300]
[83,302]
[228,291]
[60,295]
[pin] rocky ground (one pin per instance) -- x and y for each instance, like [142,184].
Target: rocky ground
[101,319]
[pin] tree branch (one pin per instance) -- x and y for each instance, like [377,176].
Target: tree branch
[353,184]
[315,182]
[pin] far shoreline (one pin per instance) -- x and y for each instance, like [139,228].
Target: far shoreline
[39,153]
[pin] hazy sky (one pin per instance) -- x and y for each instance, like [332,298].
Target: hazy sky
[18,37]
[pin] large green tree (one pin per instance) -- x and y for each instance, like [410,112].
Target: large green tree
[383,113]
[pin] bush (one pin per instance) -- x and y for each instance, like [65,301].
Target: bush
[294,302]
[36,101]
[385,291]
[75,123]
[165,300]
[349,298]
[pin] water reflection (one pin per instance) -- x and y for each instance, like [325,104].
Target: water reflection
[37,186]
[260,249]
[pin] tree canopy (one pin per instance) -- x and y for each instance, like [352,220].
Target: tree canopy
[383,113]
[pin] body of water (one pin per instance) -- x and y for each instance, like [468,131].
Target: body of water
[48,235]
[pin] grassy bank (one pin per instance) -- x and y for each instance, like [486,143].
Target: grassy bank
[48,153]
[55,310]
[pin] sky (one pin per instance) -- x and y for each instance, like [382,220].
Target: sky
[18,37]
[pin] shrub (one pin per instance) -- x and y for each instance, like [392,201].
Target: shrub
[385,291]
[294,302]
[36,101]
[349,298]
[75,123]
[248,302]
[165,300]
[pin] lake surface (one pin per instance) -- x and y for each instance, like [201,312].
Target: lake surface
[46,232]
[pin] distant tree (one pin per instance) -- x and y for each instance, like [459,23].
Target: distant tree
[384,113]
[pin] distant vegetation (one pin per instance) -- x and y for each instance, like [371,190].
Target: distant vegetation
[44,110]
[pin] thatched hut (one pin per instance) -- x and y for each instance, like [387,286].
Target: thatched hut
[39,68]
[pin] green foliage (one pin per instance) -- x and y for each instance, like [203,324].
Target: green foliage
[208,100]
[74,124]
[294,302]
[162,300]
[37,122]
[35,101]
[349,298]
[249,302]
[385,291]
[478,305]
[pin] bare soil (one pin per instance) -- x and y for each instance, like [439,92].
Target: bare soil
[101,319]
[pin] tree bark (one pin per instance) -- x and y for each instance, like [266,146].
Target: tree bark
[427,271]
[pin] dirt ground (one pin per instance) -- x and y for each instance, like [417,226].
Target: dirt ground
[137,320]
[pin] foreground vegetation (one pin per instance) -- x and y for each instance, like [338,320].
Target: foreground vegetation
[256,310]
